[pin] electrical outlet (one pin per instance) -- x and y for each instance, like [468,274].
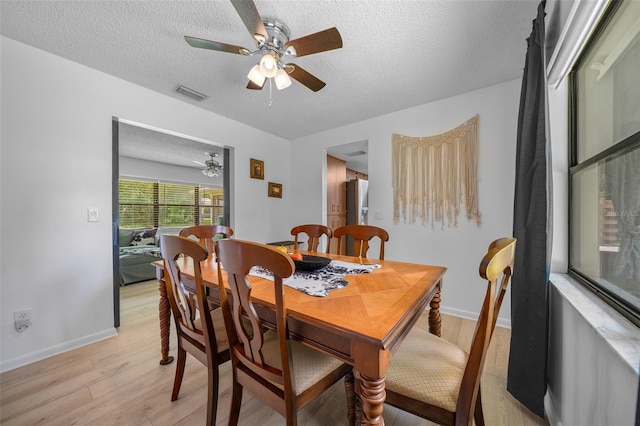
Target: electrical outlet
[22,319]
[378,214]
[24,314]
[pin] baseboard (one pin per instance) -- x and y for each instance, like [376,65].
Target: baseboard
[473,316]
[55,350]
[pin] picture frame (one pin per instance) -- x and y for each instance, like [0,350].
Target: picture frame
[275,190]
[256,169]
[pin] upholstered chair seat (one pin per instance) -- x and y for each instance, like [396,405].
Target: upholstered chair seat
[427,368]
[310,365]
[218,325]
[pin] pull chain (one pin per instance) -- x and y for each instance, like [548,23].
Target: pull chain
[270,98]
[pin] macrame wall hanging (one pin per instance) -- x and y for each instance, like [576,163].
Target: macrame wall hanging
[433,175]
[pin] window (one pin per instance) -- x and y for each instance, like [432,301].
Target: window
[604,176]
[152,204]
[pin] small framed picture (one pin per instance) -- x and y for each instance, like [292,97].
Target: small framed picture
[275,190]
[256,168]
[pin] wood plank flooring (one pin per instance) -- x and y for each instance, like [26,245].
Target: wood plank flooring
[119,381]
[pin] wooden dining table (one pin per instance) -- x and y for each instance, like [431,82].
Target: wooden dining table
[361,324]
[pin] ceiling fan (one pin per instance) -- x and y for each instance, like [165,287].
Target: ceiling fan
[273,43]
[212,168]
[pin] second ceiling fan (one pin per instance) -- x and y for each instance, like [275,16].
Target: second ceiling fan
[273,43]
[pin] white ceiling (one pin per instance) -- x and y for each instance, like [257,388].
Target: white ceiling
[396,54]
[157,145]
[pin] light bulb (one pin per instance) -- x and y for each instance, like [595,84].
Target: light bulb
[268,66]
[282,79]
[256,76]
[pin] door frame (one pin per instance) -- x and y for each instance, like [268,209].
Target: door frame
[115,211]
[115,220]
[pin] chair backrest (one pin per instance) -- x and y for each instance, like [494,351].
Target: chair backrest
[362,234]
[237,258]
[206,234]
[314,232]
[496,267]
[176,249]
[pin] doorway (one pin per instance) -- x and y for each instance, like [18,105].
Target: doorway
[345,163]
[147,156]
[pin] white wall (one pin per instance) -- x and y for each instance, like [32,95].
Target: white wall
[558,131]
[459,249]
[56,163]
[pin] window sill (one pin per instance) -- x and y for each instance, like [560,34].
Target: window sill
[617,331]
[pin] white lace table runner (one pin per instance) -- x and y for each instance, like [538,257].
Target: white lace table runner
[321,281]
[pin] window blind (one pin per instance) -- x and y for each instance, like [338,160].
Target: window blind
[154,204]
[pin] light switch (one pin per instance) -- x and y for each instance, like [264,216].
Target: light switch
[378,214]
[92,215]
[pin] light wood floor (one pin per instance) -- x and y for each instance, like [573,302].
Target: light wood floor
[119,382]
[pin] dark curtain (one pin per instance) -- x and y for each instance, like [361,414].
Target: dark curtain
[527,375]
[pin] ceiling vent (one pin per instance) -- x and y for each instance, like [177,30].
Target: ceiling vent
[190,93]
[354,153]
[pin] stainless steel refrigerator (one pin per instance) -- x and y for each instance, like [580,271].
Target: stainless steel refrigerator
[357,206]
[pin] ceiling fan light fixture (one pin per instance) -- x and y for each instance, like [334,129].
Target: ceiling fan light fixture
[274,42]
[268,66]
[256,76]
[211,173]
[282,79]
[212,167]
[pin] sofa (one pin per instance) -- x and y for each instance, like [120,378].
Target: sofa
[138,248]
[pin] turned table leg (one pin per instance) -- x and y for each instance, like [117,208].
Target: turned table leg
[164,313]
[372,395]
[434,314]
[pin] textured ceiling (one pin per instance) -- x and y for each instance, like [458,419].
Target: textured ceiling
[152,145]
[396,54]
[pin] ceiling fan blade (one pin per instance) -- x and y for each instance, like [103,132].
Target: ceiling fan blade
[252,86]
[304,77]
[251,18]
[200,163]
[318,42]
[215,45]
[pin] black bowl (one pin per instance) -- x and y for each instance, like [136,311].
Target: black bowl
[311,263]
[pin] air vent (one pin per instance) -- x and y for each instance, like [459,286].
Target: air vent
[354,153]
[190,93]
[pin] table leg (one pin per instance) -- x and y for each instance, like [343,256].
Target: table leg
[372,395]
[434,314]
[164,313]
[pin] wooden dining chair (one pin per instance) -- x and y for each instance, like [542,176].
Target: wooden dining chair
[283,373]
[314,233]
[206,233]
[361,234]
[437,380]
[207,343]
